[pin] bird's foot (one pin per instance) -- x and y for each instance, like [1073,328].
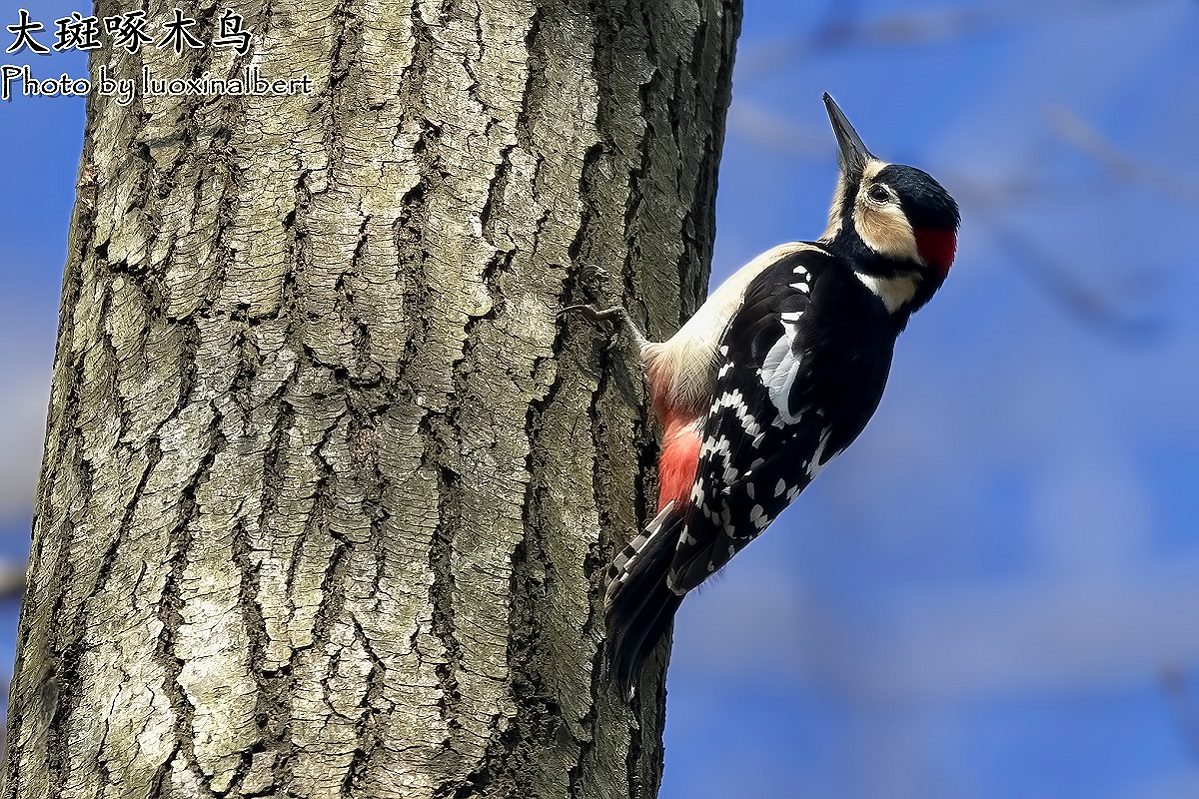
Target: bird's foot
[616,316]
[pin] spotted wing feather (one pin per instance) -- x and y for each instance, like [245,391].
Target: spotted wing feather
[772,425]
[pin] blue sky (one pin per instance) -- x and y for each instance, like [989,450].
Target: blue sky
[979,600]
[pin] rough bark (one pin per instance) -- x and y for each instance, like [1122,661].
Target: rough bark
[328,489]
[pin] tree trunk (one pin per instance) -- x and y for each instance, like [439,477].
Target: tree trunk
[328,490]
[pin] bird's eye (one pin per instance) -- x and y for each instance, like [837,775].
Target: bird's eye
[879,194]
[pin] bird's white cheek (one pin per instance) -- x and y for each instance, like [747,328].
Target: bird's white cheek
[886,231]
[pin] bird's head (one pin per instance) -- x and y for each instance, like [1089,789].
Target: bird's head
[895,223]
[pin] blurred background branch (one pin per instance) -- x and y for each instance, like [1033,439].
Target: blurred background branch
[1122,165]
[848,25]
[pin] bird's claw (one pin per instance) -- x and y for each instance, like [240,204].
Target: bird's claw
[593,314]
[618,318]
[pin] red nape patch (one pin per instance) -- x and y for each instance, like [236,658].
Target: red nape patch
[937,248]
[679,460]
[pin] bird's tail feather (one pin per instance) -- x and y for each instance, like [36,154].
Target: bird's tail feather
[640,605]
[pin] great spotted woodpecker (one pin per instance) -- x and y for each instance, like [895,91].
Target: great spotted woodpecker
[776,374]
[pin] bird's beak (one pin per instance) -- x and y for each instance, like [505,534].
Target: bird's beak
[852,155]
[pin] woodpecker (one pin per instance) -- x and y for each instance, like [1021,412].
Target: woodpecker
[775,375]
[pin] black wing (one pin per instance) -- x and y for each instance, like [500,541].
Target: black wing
[795,387]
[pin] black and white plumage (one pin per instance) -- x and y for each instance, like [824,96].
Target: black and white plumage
[802,371]
[786,381]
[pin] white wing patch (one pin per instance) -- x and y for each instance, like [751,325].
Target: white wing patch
[780,367]
[803,285]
